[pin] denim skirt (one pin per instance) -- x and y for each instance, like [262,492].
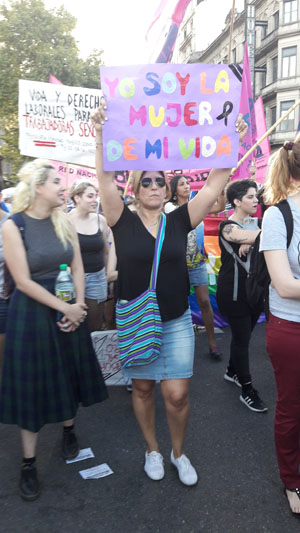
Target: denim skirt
[198,276]
[96,286]
[176,358]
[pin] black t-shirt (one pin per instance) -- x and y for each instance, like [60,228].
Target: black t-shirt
[135,252]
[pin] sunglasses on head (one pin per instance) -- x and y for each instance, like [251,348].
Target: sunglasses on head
[159,180]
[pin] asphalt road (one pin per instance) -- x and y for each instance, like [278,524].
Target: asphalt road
[239,489]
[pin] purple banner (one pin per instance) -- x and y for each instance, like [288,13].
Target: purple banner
[164,116]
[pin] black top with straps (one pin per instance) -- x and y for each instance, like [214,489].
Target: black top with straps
[92,247]
[135,252]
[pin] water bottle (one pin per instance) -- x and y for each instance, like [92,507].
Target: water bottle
[64,288]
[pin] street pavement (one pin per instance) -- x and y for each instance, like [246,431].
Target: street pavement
[239,489]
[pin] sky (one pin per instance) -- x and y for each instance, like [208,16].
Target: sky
[119,26]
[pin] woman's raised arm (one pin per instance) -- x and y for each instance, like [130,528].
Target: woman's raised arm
[109,195]
[204,201]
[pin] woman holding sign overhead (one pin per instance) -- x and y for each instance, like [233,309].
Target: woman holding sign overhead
[135,239]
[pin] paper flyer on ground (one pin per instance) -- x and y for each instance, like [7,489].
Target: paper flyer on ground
[96,472]
[84,454]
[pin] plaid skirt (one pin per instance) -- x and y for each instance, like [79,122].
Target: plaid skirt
[46,373]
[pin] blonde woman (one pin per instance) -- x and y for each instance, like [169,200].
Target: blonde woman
[49,365]
[283,326]
[135,235]
[99,260]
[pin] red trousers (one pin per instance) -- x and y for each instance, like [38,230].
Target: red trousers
[283,345]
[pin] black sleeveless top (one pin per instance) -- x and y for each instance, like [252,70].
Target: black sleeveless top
[92,247]
[135,252]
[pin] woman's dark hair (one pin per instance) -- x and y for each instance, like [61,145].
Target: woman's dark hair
[173,183]
[237,189]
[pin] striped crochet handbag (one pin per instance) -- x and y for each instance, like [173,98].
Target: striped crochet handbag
[138,321]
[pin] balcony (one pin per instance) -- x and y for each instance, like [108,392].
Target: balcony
[279,137]
[280,85]
[186,40]
[268,43]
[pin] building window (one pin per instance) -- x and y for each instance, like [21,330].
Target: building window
[289,123]
[289,11]
[289,56]
[264,77]
[273,115]
[276,20]
[264,31]
[233,56]
[274,69]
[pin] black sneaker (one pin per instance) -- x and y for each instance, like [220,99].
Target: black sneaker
[70,447]
[29,484]
[253,401]
[232,377]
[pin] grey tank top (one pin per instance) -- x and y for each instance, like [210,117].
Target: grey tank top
[45,252]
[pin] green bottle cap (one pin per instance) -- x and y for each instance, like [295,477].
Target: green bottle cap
[63,267]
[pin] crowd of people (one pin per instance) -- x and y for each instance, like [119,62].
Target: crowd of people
[49,366]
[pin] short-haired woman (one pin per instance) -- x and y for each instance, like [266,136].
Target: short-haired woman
[240,231]
[49,363]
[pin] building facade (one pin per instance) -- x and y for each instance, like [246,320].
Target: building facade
[276,57]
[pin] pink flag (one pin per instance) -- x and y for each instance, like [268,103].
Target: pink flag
[53,79]
[157,15]
[166,53]
[247,110]
[263,151]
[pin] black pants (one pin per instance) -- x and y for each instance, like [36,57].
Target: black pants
[241,329]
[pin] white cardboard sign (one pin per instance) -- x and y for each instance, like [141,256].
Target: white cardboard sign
[54,122]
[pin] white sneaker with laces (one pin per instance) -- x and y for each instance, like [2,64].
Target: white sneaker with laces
[154,465]
[186,471]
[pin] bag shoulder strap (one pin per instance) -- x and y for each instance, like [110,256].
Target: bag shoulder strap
[157,252]
[236,258]
[284,208]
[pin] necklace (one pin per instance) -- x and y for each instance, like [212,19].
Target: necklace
[149,226]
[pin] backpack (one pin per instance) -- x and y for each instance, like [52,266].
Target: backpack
[258,278]
[8,282]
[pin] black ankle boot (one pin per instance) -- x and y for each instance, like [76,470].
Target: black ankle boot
[70,447]
[29,484]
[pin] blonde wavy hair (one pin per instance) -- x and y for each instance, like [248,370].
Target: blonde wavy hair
[284,173]
[30,175]
[135,177]
[78,188]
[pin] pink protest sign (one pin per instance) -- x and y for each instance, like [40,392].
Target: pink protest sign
[263,151]
[69,173]
[164,116]
[247,110]
[196,178]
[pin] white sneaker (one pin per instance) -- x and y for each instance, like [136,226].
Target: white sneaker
[154,465]
[186,471]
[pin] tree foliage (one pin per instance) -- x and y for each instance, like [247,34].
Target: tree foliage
[35,42]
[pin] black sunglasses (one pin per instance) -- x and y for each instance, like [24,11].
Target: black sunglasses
[159,180]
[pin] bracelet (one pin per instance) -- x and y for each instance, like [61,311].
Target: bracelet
[97,142]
